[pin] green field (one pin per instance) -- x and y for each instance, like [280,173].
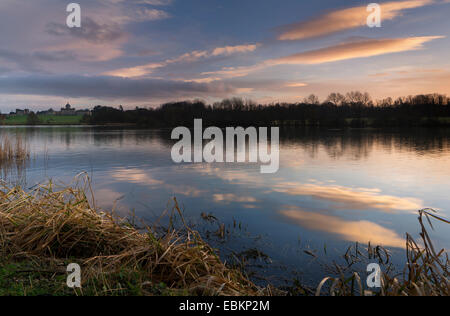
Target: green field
[45,120]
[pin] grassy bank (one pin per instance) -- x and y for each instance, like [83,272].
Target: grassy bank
[45,120]
[44,230]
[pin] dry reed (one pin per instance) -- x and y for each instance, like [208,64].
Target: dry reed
[426,272]
[13,151]
[61,223]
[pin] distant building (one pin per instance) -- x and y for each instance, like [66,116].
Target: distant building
[67,110]
[22,112]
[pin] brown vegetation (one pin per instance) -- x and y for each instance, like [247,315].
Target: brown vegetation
[61,223]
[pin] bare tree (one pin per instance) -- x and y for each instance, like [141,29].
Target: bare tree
[336,98]
[312,99]
[356,97]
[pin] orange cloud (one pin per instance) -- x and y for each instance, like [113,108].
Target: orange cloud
[360,49]
[350,18]
[296,85]
[133,72]
[349,198]
[355,231]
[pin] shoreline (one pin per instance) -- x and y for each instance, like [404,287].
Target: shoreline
[285,126]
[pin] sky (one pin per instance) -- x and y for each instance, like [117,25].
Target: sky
[147,52]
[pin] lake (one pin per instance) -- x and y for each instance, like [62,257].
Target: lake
[334,188]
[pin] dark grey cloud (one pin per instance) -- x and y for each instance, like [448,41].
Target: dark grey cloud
[18,59]
[54,56]
[31,61]
[90,31]
[104,87]
[4,70]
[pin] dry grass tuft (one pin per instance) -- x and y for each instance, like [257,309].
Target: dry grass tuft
[61,223]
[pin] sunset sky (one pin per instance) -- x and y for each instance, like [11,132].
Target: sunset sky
[146,52]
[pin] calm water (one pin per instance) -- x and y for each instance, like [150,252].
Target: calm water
[334,188]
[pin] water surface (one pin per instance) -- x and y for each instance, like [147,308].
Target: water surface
[334,187]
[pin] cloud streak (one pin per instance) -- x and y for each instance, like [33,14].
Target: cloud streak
[341,52]
[345,19]
[352,50]
[190,57]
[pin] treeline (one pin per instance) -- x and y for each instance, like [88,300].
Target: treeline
[355,109]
